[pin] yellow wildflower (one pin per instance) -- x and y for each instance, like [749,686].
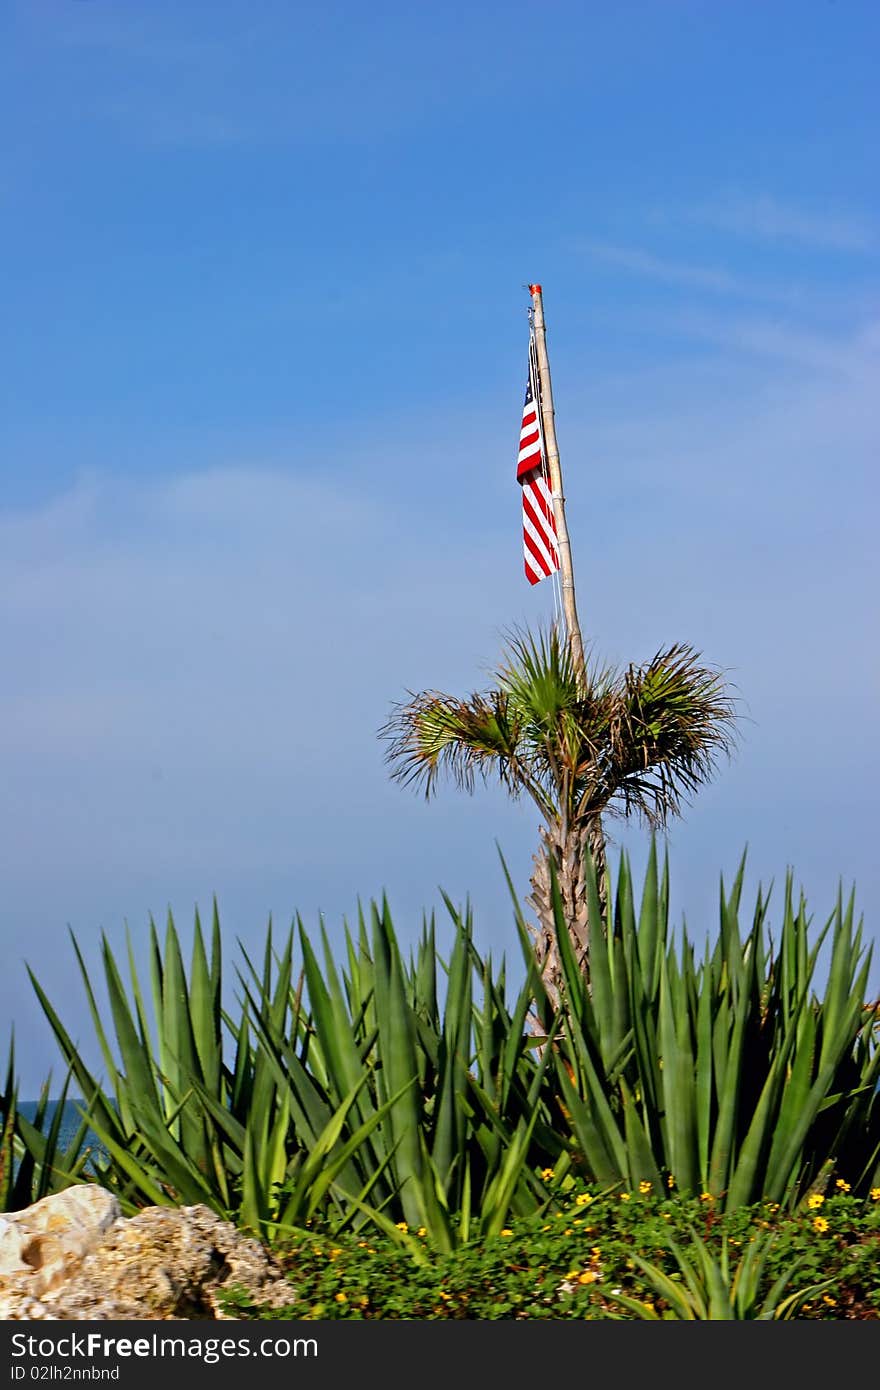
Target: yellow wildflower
[706,1197]
[547,1174]
[670,1181]
[583,1199]
[875,1194]
[401,1226]
[589,1276]
[820,1224]
[594,1250]
[422,1231]
[507,1231]
[832,1302]
[815,1200]
[568,1231]
[843,1186]
[666,1216]
[644,1188]
[341,1297]
[624,1196]
[331,1254]
[444,1295]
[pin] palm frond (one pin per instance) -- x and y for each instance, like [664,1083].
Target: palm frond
[642,741]
[433,733]
[673,722]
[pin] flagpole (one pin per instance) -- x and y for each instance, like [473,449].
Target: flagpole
[569,606]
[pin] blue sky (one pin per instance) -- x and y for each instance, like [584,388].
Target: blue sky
[262,366]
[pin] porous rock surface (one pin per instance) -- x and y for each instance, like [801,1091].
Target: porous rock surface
[73,1255]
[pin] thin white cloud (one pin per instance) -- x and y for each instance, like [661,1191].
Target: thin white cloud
[688,275]
[841,354]
[657,268]
[170,76]
[763,218]
[215,621]
[142,34]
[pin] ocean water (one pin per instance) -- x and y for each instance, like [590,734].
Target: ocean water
[71,1119]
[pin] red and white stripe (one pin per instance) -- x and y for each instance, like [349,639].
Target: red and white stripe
[540,546]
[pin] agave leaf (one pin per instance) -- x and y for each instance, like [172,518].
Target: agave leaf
[599,1139]
[687,1306]
[648,939]
[71,1054]
[322,1166]
[399,1063]
[452,1063]
[331,1021]
[499,1192]
[678,1085]
[639,1152]
[140,1071]
[205,1013]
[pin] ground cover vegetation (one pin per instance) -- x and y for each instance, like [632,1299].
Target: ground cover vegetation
[617,1255]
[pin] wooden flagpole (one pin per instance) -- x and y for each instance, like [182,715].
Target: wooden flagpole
[566,571]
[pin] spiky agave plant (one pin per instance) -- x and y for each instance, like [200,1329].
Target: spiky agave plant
[640,741]
[334,1095]
[742,1075]
[710,1290]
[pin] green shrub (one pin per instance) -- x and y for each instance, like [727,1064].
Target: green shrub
[587,1261]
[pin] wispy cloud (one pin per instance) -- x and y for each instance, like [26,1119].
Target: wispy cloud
[657,268]
[128,33]
[212,76]
[764,218]
[688,275]
[833,355]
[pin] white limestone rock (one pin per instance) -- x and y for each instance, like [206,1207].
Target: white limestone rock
[73,1256]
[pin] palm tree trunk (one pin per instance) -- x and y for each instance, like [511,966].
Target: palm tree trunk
[569,853]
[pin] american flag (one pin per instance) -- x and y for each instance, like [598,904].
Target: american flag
[539,524]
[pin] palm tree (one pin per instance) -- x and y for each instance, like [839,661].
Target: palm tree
[581,743]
